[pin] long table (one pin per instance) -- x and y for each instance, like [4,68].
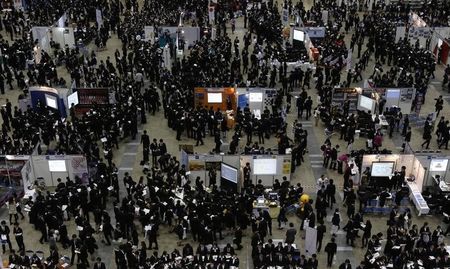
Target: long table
[417,198]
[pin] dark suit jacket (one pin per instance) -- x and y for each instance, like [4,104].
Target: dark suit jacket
[101,266]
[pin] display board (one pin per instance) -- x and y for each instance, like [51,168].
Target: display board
[265,166]
[299,35]
[57,166]
[256,97]
[382,169]
[72,99]
[366,103]
[90,96]
[438,165]
[214,98]
[51,101]
[229,173]
[392,97]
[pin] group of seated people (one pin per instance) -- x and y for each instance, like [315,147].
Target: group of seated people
[205,256]
[270,255]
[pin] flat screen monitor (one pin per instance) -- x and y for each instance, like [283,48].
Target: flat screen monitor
[438,165]
[366,103]
[72,99]
[256,97]
[229,173]
[214,97]
[51,101]
[265,166]
[57,166]
[299,35]
[382,169]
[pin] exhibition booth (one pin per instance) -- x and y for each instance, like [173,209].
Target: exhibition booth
[229,99]
[18,174]
[257,99]
[422,172]
[301,41]
[367,99]
[229,168]
[434,39]
[54,98]
[183,36]
[46,169]
[64,36]
[223,99]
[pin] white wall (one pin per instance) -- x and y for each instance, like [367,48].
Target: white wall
[64,36]
[42,34]
[58,34]
[75,164]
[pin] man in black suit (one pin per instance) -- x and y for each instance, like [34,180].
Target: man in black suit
[331,249]
[145,141]
[346,265]
[155,152]
[99,264]
[321,229]
[247,173]
[73,247]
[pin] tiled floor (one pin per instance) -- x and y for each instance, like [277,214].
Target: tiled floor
[130,154]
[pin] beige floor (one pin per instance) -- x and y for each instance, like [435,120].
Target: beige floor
[157,128]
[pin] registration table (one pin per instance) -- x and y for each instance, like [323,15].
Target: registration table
[263,204]
[417,198]
[383,124]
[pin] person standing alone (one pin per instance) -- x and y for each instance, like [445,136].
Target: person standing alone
[331,249]
[145,141]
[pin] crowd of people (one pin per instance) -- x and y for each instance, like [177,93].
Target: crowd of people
[165,196]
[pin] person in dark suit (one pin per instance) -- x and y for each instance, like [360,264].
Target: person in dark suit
[99,264]
[247,172]
[238,238]
[155,152]
[346,265]
[321,229]
[73,247]
[290,234]
[331,249]
[145,141]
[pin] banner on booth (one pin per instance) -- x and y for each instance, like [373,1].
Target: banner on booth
[91,96]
